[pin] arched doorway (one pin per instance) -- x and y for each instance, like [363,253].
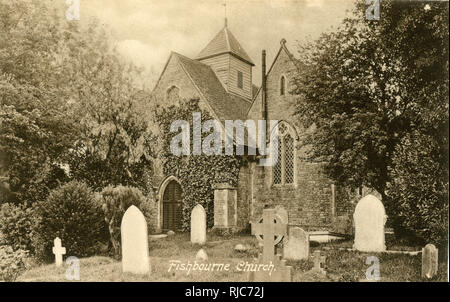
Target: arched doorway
[172,206]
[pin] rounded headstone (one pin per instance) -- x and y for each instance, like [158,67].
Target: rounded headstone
[369,218]
[198,225]
[429,261]
[134,237]
[170,233]
[201,255]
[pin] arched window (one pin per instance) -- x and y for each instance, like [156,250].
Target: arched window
[282,85]
[284,169]
[173,94]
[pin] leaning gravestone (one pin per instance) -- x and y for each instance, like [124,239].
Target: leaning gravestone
[297,245]
[429,261]
[369,218]
[198,225]
[270,232]
[134,242]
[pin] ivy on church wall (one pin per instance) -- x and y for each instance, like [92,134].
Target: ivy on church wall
[197,173]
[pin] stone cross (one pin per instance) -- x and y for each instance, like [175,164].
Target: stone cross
[283,213]
[59,251]
[319,262]
[429,261]
[270,232]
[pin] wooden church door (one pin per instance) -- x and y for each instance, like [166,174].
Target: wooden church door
[172,207]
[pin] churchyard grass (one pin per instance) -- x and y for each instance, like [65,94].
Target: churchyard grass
[342,265]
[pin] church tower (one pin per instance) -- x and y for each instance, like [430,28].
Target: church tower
[230,62]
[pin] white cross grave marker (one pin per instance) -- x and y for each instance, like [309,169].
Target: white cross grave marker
[59,251]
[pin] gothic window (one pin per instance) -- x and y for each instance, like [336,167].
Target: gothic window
[284,169]
[240,82]
[277,177]
[173,94]
[282,85]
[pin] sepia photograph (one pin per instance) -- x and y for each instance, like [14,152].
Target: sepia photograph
[249,141]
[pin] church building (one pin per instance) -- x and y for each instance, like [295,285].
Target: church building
[220,76]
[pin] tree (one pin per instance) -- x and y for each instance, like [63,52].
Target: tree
[114,144]
[370,85]
[69,104]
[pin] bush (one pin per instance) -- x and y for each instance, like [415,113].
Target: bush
[12,263]
[72,213]
[116,200]
[418,194]
[16,226]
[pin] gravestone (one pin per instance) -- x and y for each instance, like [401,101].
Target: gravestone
[59,251]
[134,242]
[270,231]
[296,247]
[429,261]
[198,225]
[369,218]
[225,206]
[319,262]
[201,255]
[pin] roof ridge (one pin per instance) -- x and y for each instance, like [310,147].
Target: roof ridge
[191,60]
[227,38]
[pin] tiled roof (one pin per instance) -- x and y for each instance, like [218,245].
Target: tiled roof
[225,105]
[255,90]
[224,42]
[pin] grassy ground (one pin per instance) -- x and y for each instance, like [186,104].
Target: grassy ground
[341,265]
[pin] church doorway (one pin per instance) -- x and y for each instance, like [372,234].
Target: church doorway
[172,206]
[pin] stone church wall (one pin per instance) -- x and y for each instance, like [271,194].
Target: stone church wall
[309,201]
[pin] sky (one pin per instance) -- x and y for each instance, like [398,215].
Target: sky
[147,30]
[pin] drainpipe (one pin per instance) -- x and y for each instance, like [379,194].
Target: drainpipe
[263,91]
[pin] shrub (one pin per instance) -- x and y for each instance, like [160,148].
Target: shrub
[116,201]
[16,226]
[72,213]
[12,263]
[419,190]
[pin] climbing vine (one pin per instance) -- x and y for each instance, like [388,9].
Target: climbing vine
[197,173]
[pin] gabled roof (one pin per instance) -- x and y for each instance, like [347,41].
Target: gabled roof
[289,54]
[224,42]
[225,105]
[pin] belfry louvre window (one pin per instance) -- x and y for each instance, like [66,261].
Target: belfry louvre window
[284,169]
[240,82]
